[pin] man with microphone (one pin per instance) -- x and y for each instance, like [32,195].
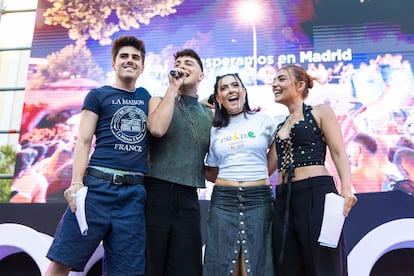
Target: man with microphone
[180,127]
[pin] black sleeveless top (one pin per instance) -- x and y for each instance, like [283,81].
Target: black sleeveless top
[305,145]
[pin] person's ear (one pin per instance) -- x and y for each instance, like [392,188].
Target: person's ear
[218,102]
[301,85]
[201,76]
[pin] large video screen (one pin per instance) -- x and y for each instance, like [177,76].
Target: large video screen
[360,52]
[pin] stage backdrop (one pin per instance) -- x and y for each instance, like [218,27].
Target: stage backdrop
[360,52]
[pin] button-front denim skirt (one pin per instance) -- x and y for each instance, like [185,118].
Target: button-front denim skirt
[239,222]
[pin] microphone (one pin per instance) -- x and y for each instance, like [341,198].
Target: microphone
[176,74]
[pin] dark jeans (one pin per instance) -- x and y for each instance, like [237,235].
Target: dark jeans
[115,214]
[173,229]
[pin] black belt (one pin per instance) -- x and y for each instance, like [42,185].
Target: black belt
[118,179]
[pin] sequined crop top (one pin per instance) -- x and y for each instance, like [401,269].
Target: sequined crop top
[305,145]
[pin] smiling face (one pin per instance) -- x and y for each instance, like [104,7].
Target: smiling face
[291,85]
[283,86]
[192,72]
[231,94]
[128,65]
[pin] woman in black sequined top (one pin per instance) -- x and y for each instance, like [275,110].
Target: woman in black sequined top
[303,180]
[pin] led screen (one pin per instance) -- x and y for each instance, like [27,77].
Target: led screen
[360,53]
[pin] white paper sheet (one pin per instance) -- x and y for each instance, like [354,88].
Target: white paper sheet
[333,220]
[80,210]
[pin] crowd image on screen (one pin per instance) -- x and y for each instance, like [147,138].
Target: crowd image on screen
[372,98]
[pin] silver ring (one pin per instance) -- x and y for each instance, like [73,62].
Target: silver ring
[73,195]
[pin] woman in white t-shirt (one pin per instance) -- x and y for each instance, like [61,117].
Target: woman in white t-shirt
[240,215]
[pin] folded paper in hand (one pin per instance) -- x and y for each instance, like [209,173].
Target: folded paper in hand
[80,210]
[333,220]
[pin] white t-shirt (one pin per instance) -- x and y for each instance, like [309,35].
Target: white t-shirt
[240,149]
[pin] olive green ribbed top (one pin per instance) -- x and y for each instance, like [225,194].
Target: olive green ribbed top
[179,155]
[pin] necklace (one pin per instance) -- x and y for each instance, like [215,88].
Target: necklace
[290,120]
[234,115]
[288,123]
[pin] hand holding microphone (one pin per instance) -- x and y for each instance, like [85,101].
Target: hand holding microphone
[176,74]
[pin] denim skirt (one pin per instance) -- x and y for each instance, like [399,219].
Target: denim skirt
[239,222]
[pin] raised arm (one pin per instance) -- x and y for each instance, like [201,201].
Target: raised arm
[160,111]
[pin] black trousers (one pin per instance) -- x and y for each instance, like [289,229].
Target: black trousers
[299,232]
[174,240]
